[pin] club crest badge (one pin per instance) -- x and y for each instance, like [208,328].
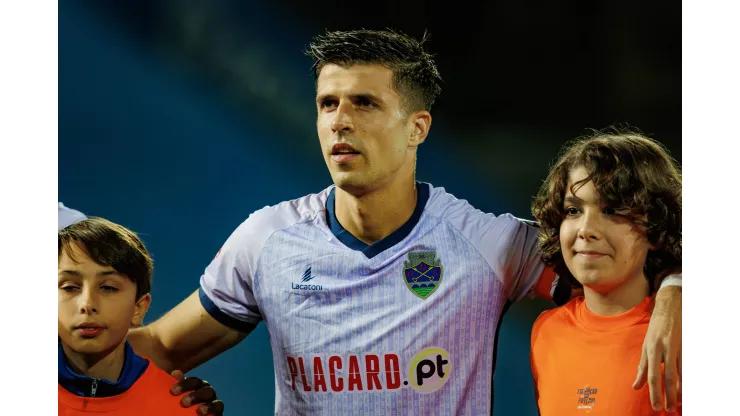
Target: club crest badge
[422,273]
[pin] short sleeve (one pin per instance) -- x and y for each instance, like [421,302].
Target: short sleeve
[226,287]
[511,248]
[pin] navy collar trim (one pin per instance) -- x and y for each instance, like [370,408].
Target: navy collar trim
[372,250]
[80,385]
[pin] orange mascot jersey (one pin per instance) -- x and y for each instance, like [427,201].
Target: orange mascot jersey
[149,395]
[585,364]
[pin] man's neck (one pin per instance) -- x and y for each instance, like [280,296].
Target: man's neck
[377,214]
[106,366]
[617,300]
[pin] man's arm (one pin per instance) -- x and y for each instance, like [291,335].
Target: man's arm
[552,284]
[186,337]
[221,313]
[662,345]
[556,287]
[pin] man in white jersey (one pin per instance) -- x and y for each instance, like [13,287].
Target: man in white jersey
[381,295]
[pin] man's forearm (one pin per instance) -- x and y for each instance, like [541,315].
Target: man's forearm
[663,276]
[668,301]
[185,337]
[144,343]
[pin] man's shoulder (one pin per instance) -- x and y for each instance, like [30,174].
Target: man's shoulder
[446,205]
[271,218]
[294,210]
[470,222]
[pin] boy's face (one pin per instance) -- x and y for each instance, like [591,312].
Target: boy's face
[602,250]
[97,306]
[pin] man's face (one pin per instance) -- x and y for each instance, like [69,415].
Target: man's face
[97,305]
[366,136]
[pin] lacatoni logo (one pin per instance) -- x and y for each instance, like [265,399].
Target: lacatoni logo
[307,277]
[427,372]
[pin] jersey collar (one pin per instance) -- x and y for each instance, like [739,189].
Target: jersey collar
[370,251]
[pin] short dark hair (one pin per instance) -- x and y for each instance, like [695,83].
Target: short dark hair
[632,174]
[415,75]
[110,244]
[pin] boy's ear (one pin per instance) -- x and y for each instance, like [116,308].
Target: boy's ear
[142,305]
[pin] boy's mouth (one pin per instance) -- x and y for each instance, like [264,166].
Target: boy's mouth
[89,329]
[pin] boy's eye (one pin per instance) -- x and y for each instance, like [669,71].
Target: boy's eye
[109,289]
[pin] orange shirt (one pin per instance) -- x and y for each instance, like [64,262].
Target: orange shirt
[585,364]
[148,396]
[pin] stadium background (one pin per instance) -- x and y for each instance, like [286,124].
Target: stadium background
[179,118]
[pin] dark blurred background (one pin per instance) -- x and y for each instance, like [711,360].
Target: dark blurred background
[177,118]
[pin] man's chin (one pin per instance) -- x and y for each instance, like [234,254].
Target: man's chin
[347,178]
[353,183]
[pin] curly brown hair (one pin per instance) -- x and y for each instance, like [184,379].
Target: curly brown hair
[635,176]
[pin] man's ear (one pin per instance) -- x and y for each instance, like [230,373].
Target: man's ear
[422,122]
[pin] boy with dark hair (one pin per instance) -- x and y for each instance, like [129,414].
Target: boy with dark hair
[610,212]
[105,275]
